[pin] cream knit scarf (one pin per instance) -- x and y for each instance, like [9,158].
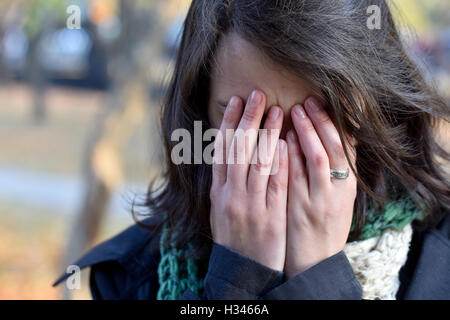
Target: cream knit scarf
[376,262]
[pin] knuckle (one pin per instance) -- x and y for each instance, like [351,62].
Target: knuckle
[274,230]
[262,166]
[294,150]
[236,156]
[308,127]
[265,134]
[297,174]
[229,117]
[269,136]
[338,150]
[231,210]
[277,186]
[250,114]
[237,151]
[319,159]
[282,163]
[254,219]
[323,118]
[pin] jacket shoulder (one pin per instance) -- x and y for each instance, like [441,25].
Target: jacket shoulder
[443,228]
[425,274]
[128,257]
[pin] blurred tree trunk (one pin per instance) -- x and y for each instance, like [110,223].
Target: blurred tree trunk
[37,80]
[44,21]
[124,107]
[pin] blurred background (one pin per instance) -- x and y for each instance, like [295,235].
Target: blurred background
[79,107]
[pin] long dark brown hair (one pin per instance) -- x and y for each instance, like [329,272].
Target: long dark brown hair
[373,89]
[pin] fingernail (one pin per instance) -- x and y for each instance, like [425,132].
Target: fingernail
[282,145]
[274,113]
[291,136]
[233,102]
[255,98]
[298,109]
[313,104]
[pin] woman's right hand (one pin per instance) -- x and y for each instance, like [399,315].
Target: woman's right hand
[249,198]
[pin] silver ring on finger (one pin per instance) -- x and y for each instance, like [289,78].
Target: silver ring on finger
[339,174]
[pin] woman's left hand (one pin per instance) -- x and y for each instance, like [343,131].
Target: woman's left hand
[320,208]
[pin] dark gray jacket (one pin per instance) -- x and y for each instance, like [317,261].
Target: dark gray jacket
[125,267]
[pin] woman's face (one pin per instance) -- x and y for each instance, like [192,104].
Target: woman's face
[240,69]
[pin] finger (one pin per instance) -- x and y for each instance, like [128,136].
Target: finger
[278,181]
[298,176]
[245,138]
[328,134]
[262,160]
[317,162]
[223,140]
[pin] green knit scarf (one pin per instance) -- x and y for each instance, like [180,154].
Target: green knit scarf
[177,274]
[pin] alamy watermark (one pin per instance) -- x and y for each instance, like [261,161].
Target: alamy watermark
[190,149]
[73,282]
[374,20]
[74,19]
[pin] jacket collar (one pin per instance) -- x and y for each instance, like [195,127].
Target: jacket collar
[136,249]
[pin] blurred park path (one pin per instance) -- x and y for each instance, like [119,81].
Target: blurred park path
[40,168]
[87,152]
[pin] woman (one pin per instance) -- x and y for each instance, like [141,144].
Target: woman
[356,204]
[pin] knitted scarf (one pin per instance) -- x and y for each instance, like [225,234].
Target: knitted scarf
[376,256]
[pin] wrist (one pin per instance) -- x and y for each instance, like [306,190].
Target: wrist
[304,262]
[291,272]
